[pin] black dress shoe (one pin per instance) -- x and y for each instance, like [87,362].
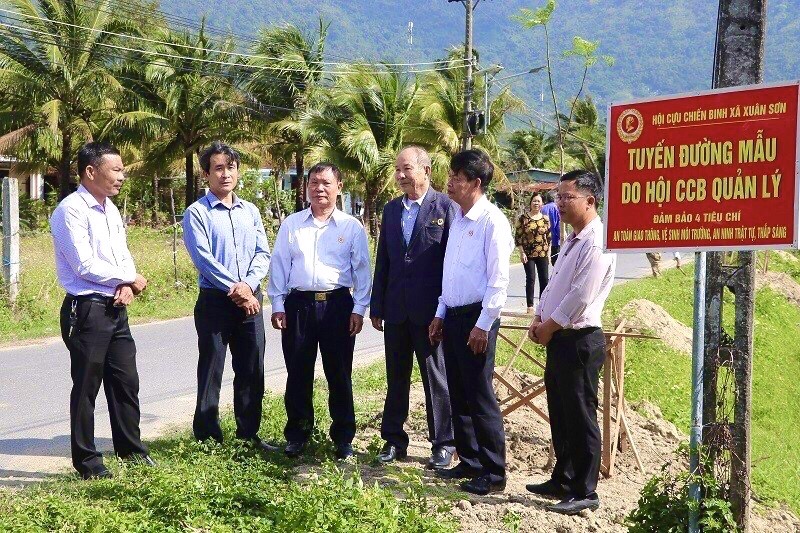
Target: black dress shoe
[575,504]
[460,471]
[344,451]
[259,444]
[483,485]
[549,489]
[98,472]
[440,458]
[391,453]
[294,449]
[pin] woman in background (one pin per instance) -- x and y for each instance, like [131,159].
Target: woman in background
[532,236]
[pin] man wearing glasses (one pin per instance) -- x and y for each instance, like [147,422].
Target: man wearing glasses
[568,324]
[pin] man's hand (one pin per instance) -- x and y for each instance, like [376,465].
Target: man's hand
[544,332]
[377,323]
[278,320]
[356,323]
[123,295]
[478,340]
[435,331]
[240,293]
[251,306]
[139,284]
[537,320]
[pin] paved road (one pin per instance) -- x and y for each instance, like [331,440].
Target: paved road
[35,384]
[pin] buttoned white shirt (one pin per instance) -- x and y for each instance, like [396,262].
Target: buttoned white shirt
[476,262]
[582,279]
[91,249]
[310,255]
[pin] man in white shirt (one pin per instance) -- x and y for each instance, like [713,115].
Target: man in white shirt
[96,269]
[568,323]
[474,285]
[320,254]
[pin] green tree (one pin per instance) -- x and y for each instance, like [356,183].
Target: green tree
[58,88]
[526,149]
[362,129]
[182,94]
[288,76]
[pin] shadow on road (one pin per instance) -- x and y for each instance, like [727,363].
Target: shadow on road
[55,447]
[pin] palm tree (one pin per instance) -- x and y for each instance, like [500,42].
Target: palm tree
[181,96]
[55,64]
[438,116]
[585,138]
[287,80]
[526,149]
[362,129]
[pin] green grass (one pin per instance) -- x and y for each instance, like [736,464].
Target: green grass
[40,297]
[230,487]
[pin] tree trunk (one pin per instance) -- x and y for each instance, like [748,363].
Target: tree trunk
[64,167]
[191,193]
[300,191]
[198,179]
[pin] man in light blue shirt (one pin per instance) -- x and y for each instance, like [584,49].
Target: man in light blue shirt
[225,238]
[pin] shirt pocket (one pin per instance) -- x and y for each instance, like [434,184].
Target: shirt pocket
[468,250]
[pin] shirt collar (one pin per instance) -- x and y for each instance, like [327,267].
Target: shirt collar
[480,207]
[590,227]
[407,202]
[213,201]
[87,197]
[337,216]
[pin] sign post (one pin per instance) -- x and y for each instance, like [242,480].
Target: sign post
[709,171]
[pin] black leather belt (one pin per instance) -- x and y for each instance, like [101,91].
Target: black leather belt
[99,298]
[464,309]
[320,296]
[573,332]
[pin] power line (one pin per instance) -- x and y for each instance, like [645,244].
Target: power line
[236,54]
[222,63]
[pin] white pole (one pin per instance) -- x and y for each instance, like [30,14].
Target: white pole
[11,237]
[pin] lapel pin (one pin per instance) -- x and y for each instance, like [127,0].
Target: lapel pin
[440,222]
[470,233]
[341,239]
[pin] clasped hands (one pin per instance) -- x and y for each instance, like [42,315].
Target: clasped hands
[242,295]
[124,294]
[542,332]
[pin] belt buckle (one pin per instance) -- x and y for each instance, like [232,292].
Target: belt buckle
[320,296]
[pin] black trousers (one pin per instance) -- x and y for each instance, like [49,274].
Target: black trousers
[323,325]
[541,265]
[477,422]
[101,350]
[554,253]
[571,375]
[220,324]
[402,341]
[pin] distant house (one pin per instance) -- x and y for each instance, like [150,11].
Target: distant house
[525,182]
[30,184]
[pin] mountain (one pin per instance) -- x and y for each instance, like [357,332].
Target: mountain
[659,47]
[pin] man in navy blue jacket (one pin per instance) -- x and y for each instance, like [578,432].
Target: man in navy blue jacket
[405,293]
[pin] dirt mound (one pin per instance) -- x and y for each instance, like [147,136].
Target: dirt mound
[781,283]
[528,441]
[652,318]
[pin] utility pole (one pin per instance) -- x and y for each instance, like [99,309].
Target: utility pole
[739,60]
[11,238]
[466,140]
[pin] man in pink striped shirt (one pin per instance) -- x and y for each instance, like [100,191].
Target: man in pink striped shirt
[568,323]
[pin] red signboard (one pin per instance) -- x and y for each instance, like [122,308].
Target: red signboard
[707,171]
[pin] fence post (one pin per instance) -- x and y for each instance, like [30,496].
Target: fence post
[11,238]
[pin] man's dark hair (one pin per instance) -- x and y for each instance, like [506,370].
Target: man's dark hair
[322,167]
[216,148]
[586,181]
[92,153]
[474,164]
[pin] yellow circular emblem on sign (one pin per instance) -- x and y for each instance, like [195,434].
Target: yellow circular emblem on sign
[630,125]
